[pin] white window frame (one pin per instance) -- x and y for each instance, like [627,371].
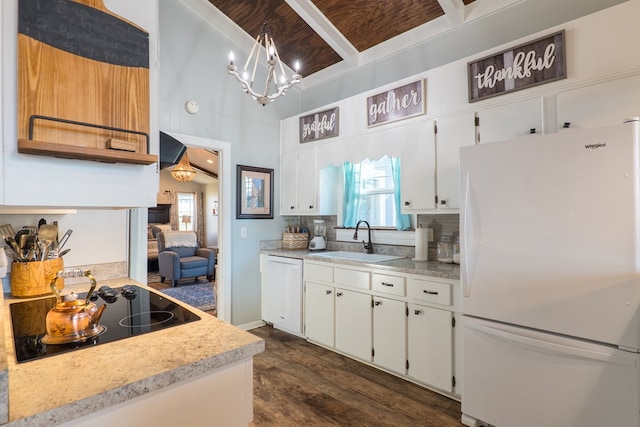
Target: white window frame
[381,237]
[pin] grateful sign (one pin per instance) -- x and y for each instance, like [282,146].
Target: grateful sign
[396,104]
[531,64]
[319,125]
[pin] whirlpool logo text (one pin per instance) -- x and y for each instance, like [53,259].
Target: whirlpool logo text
[595,146]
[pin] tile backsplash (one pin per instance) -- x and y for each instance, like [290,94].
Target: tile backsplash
[442,224]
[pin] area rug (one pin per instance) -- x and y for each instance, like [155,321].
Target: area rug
[199,295]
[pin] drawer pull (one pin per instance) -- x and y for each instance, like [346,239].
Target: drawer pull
[327,292]
[417,312]
[430,292]
[386,284]
[377,303]
[339,294]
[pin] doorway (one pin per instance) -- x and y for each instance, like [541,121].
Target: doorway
[217,214]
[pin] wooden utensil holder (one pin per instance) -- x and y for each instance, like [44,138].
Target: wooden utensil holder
[33,279]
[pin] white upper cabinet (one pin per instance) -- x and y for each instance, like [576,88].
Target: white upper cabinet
[288,185]
[306,178]
[304,189]
[513,120]
[298,175]
[452,134]
[605,104]
[418,163]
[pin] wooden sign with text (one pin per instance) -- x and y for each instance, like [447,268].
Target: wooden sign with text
[321,125]
[396,104]
[531,64]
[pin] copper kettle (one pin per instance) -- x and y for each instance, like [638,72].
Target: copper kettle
[73,320]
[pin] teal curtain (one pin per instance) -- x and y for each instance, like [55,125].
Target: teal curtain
[403,221]
[351,199]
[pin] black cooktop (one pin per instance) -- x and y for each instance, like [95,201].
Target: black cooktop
[130,311]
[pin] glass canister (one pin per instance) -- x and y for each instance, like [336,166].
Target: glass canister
[445,249]
[456,251]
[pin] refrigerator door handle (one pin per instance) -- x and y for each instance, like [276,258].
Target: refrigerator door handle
[547,346]
[466,253]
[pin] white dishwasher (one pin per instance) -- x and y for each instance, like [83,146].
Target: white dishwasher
[282,293]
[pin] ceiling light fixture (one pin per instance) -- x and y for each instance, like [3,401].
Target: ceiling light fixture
[183,171]
[265,42]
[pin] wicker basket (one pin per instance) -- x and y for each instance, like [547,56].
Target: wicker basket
[295,240]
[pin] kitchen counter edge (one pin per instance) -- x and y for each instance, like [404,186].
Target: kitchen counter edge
[404,265]
[67,386]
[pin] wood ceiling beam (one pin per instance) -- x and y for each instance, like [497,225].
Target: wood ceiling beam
[321,25]
[454,10]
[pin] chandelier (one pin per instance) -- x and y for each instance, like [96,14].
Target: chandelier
[183,171]
[265,42]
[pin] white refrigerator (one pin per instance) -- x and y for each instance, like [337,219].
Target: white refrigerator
[550,235]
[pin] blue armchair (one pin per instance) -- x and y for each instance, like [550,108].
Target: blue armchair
[180,257]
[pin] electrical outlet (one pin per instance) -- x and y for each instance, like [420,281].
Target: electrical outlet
[430,232]
[243,232]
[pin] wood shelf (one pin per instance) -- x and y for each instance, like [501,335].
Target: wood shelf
[27,146]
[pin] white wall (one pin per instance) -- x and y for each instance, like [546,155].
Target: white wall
[193,59]
[98,236]
[520,20]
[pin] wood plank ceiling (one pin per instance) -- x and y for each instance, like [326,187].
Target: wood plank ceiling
[341,29]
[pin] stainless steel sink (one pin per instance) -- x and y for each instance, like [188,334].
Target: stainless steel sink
[357,256]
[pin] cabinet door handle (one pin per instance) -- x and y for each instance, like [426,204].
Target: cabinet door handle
[407,203]
[386,284]
[377,303]
[430,292]
[339,294]
[292,207]
[328,292]
[417,312]
[443,202]
[310,206]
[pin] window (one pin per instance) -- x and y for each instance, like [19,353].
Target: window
[372,193]
[186,211]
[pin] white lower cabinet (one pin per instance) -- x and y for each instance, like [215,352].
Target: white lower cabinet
[319,313]
[353,323]
[402,323]
[390,334]
[430,346]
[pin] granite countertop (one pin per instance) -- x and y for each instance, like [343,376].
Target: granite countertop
[404,265]
[60,388]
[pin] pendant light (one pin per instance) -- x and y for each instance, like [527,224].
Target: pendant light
[183,171]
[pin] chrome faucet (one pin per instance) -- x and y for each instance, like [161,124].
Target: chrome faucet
[367,246]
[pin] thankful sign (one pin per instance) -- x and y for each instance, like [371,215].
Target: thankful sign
[540,61]
[319,125]
[395,104]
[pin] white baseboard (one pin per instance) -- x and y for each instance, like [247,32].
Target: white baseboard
[252,325]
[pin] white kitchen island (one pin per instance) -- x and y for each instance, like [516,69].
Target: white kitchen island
[196,374]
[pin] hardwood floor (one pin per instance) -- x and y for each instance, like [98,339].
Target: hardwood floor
[300,384]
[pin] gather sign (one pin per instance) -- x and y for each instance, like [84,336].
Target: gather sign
[395,104]
[531,64]
[323,124]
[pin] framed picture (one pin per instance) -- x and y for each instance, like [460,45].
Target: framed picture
[255,193]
